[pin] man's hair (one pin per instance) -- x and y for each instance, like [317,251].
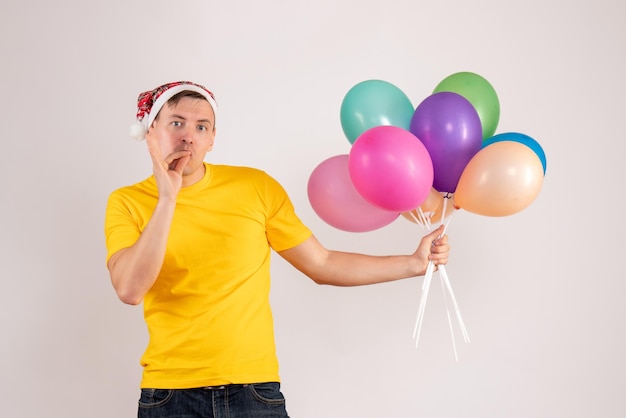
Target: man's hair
[173,101]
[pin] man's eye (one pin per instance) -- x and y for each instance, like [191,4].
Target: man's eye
[177,123]
[202,128]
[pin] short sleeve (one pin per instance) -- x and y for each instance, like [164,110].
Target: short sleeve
[120,229]
[284,228]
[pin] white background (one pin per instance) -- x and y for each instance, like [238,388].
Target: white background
[541,291]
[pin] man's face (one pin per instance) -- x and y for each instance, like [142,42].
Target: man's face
[188,125]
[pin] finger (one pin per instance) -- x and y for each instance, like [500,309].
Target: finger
[443,240]
[178,165]
[437,233]
[440,262]
[441,243]
[440,248]
[438,256]
[174,158]
[153,149]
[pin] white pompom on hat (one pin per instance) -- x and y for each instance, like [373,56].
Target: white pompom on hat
[149,104]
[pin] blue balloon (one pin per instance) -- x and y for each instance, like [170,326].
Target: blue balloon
[522,139]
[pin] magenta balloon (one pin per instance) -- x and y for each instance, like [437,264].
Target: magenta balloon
[450,129]
[335,200]
[391,168]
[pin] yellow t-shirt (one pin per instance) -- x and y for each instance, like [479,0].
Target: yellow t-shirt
[208,313]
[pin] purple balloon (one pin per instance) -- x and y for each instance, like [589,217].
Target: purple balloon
[449,127]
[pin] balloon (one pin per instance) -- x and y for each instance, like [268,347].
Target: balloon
[480,94]
[449,127]
[391,168]
[522,139]
[335,200]
[373,103]
[431,209]
[500,180]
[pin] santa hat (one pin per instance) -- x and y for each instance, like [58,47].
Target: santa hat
[149,104]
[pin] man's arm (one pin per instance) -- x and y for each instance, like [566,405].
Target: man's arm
[134,269]
[351,269]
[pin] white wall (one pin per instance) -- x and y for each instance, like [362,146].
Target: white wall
[541,291]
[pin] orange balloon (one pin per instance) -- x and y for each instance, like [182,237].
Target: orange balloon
[501,179]
[432,208]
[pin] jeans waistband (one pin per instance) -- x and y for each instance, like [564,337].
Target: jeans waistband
[222,387]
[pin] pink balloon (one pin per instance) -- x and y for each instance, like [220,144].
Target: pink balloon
[391,168]
[335,200]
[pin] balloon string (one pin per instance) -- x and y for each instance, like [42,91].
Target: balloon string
[424,218]
[443,213]
[445,301]
[422,304]
[425,287]
[420,219]
[445,228]
[445,284]
[415,217]
[445,279]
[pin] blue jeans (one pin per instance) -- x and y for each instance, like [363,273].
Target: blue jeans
[229,401]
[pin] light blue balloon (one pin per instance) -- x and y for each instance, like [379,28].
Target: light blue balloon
[374,103]
[522,139]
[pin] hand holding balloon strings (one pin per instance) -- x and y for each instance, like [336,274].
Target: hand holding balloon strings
[445,286]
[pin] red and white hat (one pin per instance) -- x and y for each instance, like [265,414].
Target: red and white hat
[149,103]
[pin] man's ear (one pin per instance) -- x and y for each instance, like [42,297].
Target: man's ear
[148,131]
[151,126]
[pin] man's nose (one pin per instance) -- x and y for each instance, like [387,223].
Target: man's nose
[187,138]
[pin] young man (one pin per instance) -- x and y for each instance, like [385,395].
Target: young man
[193,242]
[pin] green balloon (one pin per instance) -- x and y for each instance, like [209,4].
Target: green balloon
[373,103]
[480,93]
